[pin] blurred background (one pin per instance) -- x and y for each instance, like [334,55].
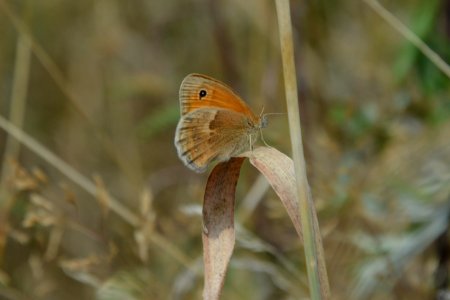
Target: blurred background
[114,214]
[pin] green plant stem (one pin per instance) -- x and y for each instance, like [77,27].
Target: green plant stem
[318,281]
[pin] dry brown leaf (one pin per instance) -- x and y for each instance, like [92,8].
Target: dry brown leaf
[69,195]
[278,169]
[23,181]
[41,202]
[218,210]
[279,172]
[218,224]
[55,239]
[103,197]
[39,175]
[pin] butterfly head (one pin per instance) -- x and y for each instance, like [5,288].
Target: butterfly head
[264,121]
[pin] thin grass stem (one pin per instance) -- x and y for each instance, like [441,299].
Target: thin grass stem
[315,262]
[410,36]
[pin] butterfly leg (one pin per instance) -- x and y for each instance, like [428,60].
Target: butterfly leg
[262,138]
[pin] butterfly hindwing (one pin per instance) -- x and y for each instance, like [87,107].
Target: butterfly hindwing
[208,134]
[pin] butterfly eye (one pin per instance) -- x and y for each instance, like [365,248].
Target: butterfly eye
[202,93]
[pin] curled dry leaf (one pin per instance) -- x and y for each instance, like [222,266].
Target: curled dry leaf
[218,224]
[218,208]
[279,172]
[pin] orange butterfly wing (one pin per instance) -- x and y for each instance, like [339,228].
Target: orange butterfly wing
[202,136]
[200,91]
[215,123]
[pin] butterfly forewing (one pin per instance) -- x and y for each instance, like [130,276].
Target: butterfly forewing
[200,91]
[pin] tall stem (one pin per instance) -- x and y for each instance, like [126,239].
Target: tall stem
[315,263]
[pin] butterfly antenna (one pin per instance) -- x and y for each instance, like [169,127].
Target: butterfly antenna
[262,111]
[268,114]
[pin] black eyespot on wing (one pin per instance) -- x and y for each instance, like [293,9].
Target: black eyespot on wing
[202,94]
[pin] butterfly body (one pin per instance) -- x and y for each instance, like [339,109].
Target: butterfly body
[215,123]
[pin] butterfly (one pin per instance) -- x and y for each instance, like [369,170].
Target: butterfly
[215,123]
